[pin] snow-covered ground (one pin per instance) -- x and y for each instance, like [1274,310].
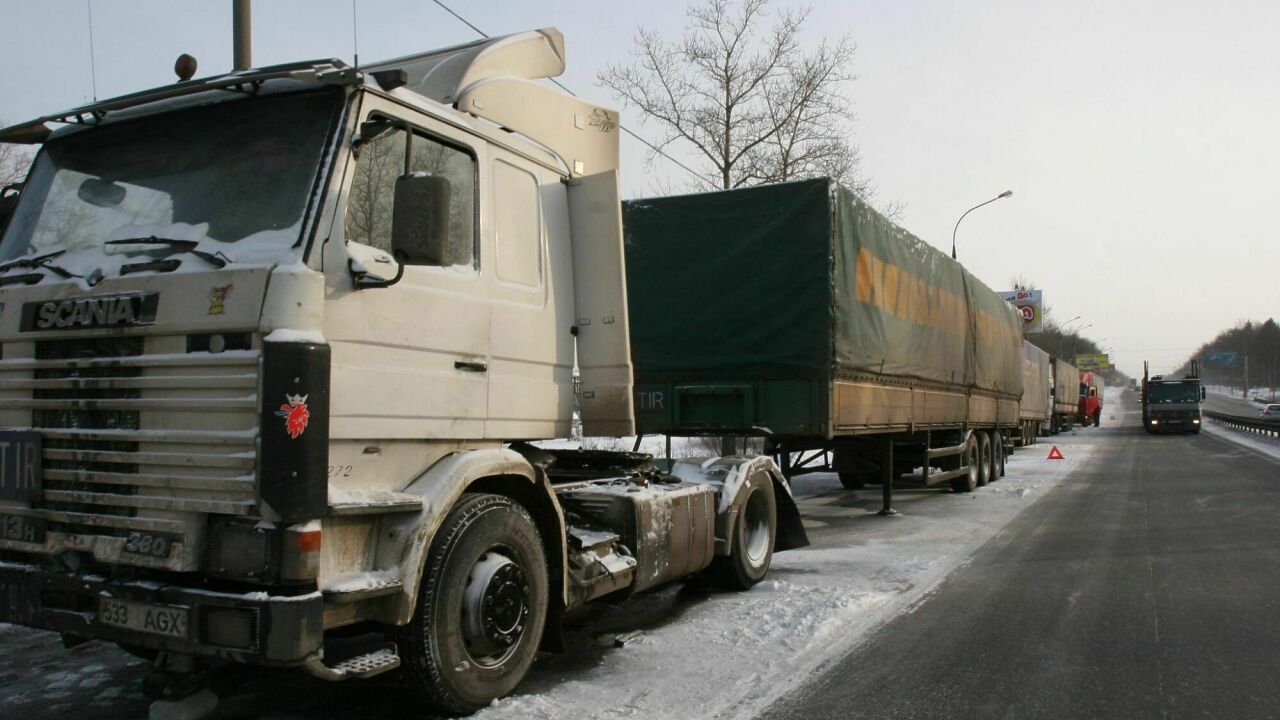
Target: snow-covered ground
[706,654]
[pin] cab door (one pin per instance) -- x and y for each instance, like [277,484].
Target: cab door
[530,275]
[410,360]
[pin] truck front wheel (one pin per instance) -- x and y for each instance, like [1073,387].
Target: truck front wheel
[481,607]
[751,549]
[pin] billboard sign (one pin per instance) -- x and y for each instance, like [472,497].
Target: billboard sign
[1093,361]
[1028,305]
[1222,358]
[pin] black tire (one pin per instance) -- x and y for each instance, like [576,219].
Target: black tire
[754,532]
[454,657]
[997,455]
[969,456]
[985,456]
[1097,419]
[853,481]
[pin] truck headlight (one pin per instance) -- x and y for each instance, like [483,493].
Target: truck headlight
[241,550]
[1155,421]
[1195,421]
[262,552]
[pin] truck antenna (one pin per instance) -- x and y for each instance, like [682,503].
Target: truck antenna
[355,37]
[93,64]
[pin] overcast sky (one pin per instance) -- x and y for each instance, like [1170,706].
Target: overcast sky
[1139,138]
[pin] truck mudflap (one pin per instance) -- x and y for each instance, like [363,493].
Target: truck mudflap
[730,475]
[253,628]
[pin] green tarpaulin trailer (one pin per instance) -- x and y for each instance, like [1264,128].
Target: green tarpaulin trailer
[798,313]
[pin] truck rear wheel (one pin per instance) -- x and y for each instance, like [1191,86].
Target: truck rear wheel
[751,547]
[984,458]
[481,607]
[968,457]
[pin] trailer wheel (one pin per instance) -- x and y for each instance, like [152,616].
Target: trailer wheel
[997,455]
[984,458]
[481,607]
[852,480]
[969,457]
[751,548]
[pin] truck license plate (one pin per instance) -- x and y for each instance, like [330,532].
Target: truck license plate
[163,620]
[19,464]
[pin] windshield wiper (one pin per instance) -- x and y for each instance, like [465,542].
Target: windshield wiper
[40,262]
[217,260]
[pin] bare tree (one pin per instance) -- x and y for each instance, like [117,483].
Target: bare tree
[15,160]
[749,101]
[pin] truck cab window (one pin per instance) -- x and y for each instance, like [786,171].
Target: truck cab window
[388,156]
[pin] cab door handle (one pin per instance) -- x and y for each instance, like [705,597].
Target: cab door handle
[471,365]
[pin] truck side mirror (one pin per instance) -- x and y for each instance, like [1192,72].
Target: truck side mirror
[1202,393]
[420,220]
[8,201]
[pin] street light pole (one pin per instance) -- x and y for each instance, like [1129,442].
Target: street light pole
[1005,194]
[1075,338]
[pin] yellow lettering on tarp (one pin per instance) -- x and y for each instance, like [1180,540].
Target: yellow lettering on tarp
[862,277]
[897,292]
[905,294]
[889,297]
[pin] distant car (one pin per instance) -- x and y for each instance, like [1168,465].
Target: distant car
[1271,411]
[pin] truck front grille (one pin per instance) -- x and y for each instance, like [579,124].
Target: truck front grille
[138,436]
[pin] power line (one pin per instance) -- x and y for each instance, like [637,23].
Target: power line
[560,85]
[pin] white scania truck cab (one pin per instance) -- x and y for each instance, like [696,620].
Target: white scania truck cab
[274,349]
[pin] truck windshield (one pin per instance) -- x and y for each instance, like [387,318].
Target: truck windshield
[233,178]
[1174,392]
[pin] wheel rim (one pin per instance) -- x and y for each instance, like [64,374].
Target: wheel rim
[495,608]
[755,528]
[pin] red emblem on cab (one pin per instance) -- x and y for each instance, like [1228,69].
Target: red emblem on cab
[295,415]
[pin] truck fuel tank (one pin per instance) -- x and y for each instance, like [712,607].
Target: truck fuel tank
[669,529]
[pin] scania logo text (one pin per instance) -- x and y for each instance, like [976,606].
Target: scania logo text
[76,313]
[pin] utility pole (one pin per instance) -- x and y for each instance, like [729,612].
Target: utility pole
[241,35]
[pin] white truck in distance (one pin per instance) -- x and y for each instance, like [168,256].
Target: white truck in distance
[274,345]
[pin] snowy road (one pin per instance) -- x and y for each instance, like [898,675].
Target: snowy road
[699,653]
[1144,586]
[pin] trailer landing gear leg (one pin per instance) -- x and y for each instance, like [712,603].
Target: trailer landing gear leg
[886,479]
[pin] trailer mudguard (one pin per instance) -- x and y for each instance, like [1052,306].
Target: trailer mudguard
[729,475]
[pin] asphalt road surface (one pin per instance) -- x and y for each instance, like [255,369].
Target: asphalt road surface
[1145,585]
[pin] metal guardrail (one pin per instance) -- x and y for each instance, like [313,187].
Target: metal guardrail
[1261,426]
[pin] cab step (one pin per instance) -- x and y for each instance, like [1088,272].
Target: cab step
[365,665]
[360,586]
[375,502]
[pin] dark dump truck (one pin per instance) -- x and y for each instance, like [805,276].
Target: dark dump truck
[1171,404]
[798,314]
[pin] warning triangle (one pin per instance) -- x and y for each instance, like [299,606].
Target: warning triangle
[1055,454]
